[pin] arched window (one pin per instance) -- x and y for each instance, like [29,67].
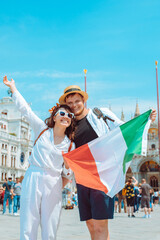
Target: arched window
[153,146]
[11,161]
[154,183]
[2,160]
[4,113]
[5,160]
[149,166]
[14,162]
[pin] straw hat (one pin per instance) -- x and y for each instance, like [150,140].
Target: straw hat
[72,89]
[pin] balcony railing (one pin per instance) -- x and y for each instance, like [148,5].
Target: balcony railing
[8,136]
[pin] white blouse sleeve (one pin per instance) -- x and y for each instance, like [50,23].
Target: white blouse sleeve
[68,173]
[35,122]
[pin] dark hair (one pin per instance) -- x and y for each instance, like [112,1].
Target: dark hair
[50,122]
[130,181]
[72,94]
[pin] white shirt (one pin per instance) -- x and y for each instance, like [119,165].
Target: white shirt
[99,126]
[45,153]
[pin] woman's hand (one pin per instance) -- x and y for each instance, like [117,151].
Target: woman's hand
[66,164]
[10,84]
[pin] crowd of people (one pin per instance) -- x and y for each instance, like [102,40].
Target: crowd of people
[132,198]
[10,193]
[135,197]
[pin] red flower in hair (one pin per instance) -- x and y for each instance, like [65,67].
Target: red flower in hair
[52,109]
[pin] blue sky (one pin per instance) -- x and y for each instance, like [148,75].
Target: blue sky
[45,45]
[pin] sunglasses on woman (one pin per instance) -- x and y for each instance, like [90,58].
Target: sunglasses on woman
[63,114]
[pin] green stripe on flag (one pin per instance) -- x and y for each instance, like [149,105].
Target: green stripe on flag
[132,132]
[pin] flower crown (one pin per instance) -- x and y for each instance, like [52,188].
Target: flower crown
[52,109]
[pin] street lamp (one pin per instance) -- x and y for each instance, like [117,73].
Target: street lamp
[85,71]
[156,62]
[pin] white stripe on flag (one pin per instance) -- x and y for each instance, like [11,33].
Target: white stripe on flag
[108,153]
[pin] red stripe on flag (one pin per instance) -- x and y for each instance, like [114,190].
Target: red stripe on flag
[82,163]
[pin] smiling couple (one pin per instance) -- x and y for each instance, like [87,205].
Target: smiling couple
[69,126]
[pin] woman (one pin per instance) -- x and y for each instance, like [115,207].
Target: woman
[130,195]
[1,197]
[41,195]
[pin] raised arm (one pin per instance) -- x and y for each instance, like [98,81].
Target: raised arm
[135,181]
[36,123]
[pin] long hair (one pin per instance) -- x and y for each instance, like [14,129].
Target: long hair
[69,130]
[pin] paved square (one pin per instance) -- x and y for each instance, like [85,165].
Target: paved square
[121,228]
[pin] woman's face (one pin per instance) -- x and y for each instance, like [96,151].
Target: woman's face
[62,118]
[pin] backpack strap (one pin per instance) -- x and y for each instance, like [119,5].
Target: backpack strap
[7,187]
[100,114]
[70,146]
[40,135]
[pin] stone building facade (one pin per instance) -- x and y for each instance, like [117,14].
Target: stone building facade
[147,167]
[15,141]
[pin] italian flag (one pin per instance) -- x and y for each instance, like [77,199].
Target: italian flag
[102,163]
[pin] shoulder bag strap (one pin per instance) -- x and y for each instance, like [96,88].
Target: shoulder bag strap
[40,135]
[7,187]
[70,146]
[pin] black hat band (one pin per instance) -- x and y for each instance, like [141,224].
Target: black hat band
[71,90]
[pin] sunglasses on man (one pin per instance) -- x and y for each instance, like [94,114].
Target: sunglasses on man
[65,114]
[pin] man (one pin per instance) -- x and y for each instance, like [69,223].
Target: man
[95,206]
[8,185]
[122,196]
[145,199]
[17,193]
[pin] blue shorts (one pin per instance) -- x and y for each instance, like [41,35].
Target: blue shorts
[94,204]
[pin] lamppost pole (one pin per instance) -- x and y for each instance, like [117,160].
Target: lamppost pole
[156,62]
[85,71]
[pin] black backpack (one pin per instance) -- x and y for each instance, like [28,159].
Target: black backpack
[99,115]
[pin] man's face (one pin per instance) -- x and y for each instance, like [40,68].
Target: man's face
[76,103]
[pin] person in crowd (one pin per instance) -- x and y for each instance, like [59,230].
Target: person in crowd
[8,195]
[145,199]
[74,199]
[17,194]
[139,197]
[122,197]
[41,195]
[21,179]
[116,203]
[156,197]
[1,197]
[130,195]
[151,199]
[136,193]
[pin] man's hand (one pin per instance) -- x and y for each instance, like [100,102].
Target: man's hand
[153,115]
